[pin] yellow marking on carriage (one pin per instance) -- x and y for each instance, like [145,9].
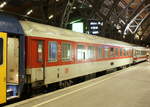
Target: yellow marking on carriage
[3,36]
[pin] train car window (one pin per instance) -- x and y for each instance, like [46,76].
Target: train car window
[131,52]
[100,55]
[120,51]
[106,52]
[116,52]
[52,51]
[80,52]
[1,51]
[91,52]
[142,53]
[128,54]
[40,51]
[66,51]
[137,52]
[112,52]
[125,52]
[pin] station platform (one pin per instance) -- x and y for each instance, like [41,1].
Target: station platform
[125,88]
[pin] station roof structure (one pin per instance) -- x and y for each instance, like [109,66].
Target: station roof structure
[129,18]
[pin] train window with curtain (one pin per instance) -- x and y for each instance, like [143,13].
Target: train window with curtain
[52,51]
[80,52]
[66,51]
[100,55]
[40,51]
[1,51]
[106,52]
[91,52]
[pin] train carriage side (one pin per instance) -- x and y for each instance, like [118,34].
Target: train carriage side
[139,54]
[55,54]
[11,58]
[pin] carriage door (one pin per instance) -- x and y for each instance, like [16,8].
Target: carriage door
[41,61]
[3,37]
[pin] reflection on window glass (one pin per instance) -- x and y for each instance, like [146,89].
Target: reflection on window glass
[80,52]
[1,51]
[40,51]
[90,52]
[52,51]
[66,52]
[100,52]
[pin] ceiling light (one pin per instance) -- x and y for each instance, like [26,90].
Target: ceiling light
[119,31]
[74,7]
[90,5]
[3,4]
[51,16]
[29,12]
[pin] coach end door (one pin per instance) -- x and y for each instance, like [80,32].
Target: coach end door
[3,38]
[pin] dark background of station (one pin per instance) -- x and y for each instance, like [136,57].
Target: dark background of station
[109,12]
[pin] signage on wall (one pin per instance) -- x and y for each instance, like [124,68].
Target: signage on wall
[95,27]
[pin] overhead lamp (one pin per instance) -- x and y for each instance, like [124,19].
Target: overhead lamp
[51,16]
[119,31]
[90,6]
[74,7]
[3,4]
[29,12]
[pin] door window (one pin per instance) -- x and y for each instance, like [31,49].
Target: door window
[40,51]
[1,51]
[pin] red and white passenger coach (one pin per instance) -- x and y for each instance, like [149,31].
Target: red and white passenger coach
[54,54]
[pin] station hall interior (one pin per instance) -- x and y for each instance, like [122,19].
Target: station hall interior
[125,20]
[69,53]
